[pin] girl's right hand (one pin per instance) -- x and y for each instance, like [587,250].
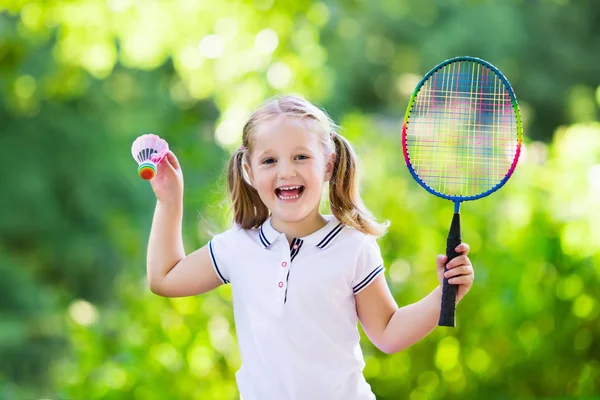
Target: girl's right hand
[168,182]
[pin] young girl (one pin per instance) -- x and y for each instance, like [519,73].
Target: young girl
[300,280]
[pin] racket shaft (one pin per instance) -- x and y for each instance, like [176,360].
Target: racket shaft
[449,291]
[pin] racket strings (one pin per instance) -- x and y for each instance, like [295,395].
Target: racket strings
[462,130]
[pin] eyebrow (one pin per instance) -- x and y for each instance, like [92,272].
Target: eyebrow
[299,148]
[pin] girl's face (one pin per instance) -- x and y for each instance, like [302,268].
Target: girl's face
[288,167]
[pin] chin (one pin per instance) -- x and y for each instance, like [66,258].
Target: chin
[290,215]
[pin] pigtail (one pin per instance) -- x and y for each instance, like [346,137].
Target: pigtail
[344,196]
[248,209]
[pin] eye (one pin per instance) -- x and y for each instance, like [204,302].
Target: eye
[268,161]
[302,157]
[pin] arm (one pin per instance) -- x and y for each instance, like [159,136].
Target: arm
[170,272]
[393,329]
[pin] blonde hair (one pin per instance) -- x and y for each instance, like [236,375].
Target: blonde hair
[346,204]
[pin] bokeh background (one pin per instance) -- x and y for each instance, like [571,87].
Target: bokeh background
[79,80]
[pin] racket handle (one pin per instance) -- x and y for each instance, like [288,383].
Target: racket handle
[449,291]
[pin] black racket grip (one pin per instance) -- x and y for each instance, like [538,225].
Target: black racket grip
[449,291]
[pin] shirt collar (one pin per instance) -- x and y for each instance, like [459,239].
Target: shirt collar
[321,238]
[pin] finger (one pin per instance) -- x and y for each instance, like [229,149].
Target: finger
[461,280]
[458,261]
[173,160]
[462,270]
[165,167]
[463,249]
[441,260]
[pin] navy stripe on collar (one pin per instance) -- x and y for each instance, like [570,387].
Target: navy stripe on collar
[327,239]
[266,235]
[263,238]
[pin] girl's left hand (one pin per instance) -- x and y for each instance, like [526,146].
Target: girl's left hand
[460,271]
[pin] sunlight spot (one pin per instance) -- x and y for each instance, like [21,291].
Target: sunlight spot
[318,14]
[167,355]
[399,271]
[83,312]
[455,376]
[199,87]
[348,28]
[447,353]
[266,41]
[429,381]
[569,287]
[528,334]
[373,368]
[226,28]
[139,49]
[574,237]
[190,58]
[25,86]
[279,75]
[263,4]
[583,306]
[518,212]
[99,59]
[113,376]
[212,46]
[478,361]
[118,6]
[229,131]
[179,334]
[220,337]
[406,83]
[594,179]
[200,360]
[185,305]
[31,15]
[537,152]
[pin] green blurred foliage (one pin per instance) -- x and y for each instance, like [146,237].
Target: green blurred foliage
[79,80]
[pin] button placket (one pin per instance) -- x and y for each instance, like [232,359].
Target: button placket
[284,265]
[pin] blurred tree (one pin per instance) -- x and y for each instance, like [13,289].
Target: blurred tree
[79,80]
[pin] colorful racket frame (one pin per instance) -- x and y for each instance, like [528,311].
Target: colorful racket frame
[458,199]
[449,291]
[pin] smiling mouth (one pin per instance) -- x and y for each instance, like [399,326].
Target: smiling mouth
[289,192]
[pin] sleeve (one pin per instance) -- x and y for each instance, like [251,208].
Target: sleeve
[368,266]
[220,248]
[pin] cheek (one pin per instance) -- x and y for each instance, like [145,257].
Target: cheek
[315,177]
[263,183]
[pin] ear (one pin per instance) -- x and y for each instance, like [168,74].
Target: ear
[248,173]
[329,167]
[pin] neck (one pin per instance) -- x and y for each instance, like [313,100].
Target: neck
[304,227]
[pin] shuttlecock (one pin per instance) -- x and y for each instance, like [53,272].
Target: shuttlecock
[148,150]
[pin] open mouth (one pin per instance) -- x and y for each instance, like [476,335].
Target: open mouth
[289,192]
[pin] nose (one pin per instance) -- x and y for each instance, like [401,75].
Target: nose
[286,170]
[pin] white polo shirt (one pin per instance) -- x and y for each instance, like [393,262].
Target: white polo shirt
[294,309]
